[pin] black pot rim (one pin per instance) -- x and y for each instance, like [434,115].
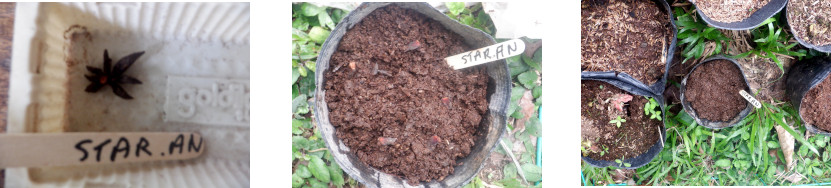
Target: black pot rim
[497,110]
[708,123]
[643,158]
[659,86]
[824,48]
[754,20]
[797,100]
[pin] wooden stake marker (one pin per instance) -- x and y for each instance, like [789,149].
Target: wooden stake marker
[487,54]
[60,149]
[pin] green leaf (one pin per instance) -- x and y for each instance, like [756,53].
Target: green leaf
[533,127]
[302,71]
[724,163]
[455,7]
[295,126]
[537,92]
[336,173]
[300,23]
[533,173]
[294,75]
[303,171]
[318,34]
[510,183]
[310,65]
[528,79]
[531,63]
[509,171]
[311,10]
[317,184]
[772,144]
[318,168]
[296,181]
[299,101]
[326,20]
[516,66]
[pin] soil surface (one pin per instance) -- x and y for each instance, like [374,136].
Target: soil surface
[396,103]
[816,106]
[811,20]
[597,108]
[713,90]
[729,11]
[625,35]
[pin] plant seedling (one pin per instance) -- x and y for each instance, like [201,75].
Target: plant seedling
[621,163]
[650,109]
[617,121]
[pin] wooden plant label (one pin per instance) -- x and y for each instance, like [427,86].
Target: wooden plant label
[750,99]
[487,54]
[60,149]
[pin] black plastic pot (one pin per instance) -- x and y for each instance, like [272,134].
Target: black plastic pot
[755,19]
[804,76]
[488,135]
[627,84]
[660,85]
[708,123]
[824,48]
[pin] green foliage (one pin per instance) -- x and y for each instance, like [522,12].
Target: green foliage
[472,16]
[694,33]
[771,39]
[313,166]
[617,121]
[621,163]
[649,108]
[533,172]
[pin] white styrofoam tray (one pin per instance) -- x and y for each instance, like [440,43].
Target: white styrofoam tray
[187,45]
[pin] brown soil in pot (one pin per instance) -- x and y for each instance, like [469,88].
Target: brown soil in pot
[811,20]
[713,90]
[729,11]
[816,106]
[626,36]
[396,104]
[632,138]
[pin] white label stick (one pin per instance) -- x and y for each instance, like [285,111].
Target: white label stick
[60,149]
[487,54]
[750,99]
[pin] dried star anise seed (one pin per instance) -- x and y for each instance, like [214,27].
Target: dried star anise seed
[113,76]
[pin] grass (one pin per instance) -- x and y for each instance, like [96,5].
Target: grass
[746,154]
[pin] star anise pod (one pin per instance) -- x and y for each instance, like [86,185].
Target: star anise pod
[113,76]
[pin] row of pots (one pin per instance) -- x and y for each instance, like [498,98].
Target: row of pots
[803,76]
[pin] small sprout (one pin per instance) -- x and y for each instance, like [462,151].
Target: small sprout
[621,163]
[617,121]
[649,108]
[434,140]
[352,65]
[386,140]
[413,45]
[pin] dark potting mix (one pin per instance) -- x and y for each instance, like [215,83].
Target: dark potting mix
[713,90]
[816,106]
[603,106]
[396,103]
[626,36]
[811,20]
[729,11]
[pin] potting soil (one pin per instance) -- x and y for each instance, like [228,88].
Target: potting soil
[604,139]
[627,36]
[811,20]
[816,106]
[396,103]
[729,11]
[713,90]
